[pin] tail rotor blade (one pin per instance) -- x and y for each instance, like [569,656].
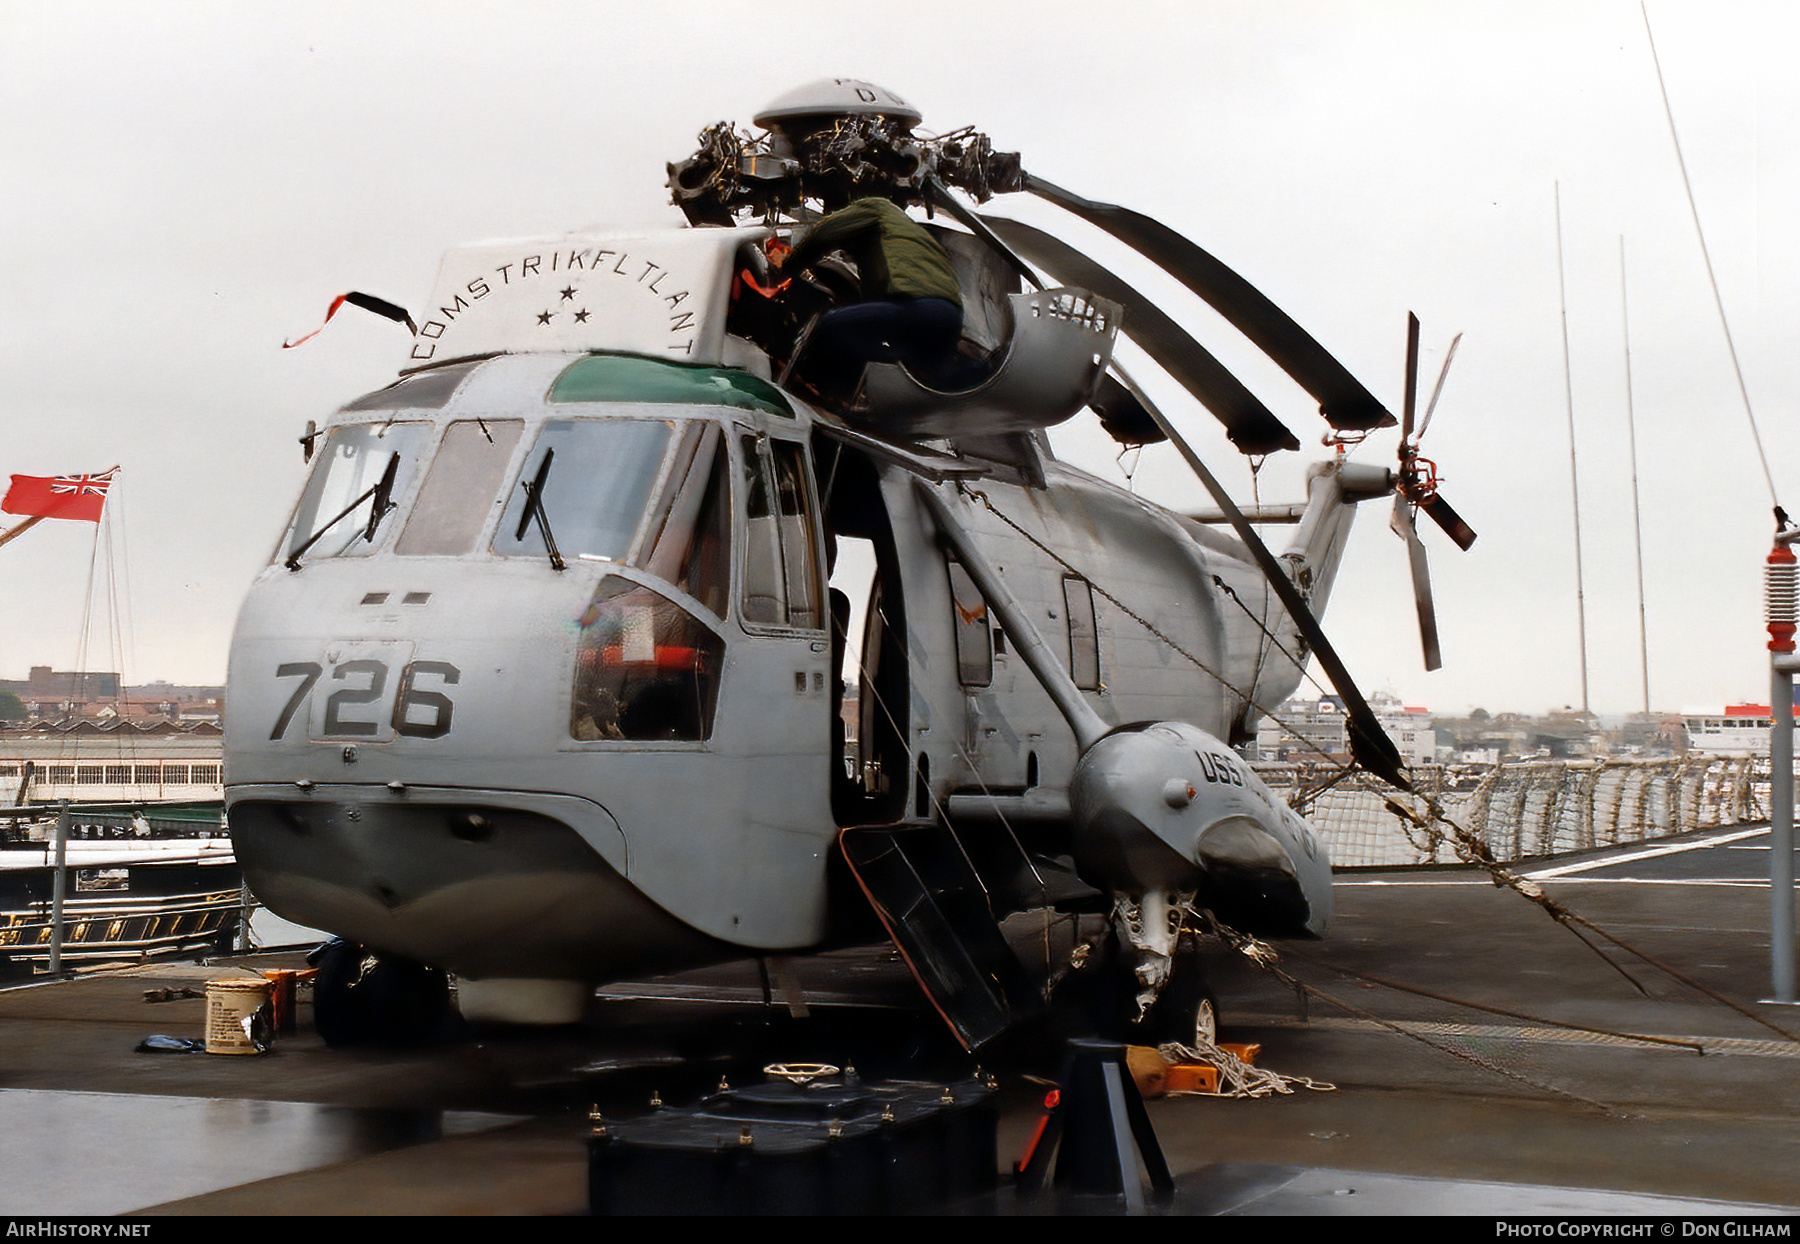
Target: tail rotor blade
[1411,400]
[1452,523]
[1437,390]
[1421,577]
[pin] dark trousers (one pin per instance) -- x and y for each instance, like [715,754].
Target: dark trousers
[919,332]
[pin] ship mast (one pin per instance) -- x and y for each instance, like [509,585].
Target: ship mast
[1574,478]
[1637,519]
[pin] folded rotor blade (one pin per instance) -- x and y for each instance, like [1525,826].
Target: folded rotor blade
[1452,523]
[1344,402]
[1369,743]
[1249,425]
[1421,576]
[1123,416]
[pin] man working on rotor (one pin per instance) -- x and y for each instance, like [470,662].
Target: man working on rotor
[911,308]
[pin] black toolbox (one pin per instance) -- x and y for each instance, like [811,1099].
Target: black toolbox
[810,1141]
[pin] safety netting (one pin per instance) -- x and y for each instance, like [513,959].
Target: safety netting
[1523,810]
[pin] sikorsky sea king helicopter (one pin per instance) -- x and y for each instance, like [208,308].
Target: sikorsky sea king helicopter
[542,686]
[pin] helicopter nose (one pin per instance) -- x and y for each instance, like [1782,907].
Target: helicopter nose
[1167,807]
[1135,801]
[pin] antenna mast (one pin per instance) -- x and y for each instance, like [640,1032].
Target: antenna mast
[1637,518]
[1574,479]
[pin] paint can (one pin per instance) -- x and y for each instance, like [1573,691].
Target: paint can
[232,1022]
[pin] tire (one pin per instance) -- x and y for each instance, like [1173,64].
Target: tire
[1186,1012]
[364,999]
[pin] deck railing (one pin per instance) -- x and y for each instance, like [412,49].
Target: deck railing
[1528,809]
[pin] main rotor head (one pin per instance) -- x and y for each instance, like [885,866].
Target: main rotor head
[824,144]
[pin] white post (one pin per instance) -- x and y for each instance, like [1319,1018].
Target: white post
[59,888]
[1781,832]
[1781,576]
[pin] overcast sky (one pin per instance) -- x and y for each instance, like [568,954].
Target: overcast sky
[187,184]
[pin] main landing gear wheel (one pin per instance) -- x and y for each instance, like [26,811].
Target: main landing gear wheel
[364,999]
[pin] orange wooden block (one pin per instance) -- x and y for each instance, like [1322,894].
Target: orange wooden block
[1192,1078]
[1148,1070]
[1246,1054]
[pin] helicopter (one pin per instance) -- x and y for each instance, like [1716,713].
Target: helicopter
[544,684]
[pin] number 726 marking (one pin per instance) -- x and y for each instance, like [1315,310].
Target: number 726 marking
[418,712]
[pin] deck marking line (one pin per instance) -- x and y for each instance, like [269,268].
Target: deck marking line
[1557,1036]
[1545,874]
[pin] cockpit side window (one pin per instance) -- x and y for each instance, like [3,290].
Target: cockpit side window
[781,584]
[332,519]
[645,669]
[459,492]
[793,494]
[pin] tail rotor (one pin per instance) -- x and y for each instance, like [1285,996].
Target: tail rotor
[1416,489]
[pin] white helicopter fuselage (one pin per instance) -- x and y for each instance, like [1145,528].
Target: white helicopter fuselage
[552,698]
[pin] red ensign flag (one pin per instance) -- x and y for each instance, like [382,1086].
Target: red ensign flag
[58,496]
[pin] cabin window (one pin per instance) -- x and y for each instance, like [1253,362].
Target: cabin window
[1084,635]
[458,493]
[598,477]
[338,496]
[690,532]
[781,584]
[974,637]
[645,669]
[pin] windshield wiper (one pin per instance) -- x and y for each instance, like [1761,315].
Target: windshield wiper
[534,508]
[384,498]
[382,493]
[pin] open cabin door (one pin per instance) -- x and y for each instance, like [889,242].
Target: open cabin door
[872,768]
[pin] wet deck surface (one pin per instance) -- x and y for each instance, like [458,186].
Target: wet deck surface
[1500,1114]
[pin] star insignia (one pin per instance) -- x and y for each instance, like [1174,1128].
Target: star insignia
[544,317]
[581,316]
[568,295]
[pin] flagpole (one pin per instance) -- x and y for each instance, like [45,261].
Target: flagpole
[21,529]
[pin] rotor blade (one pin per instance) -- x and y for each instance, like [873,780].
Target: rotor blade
[1344,402]
[1452,523]
[1437,390]
[979,226]
[1122,415]
[1369,743]
[1421,576]
[1411,399]
[1250,425]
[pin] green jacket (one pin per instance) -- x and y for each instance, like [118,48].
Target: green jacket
[895,255]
